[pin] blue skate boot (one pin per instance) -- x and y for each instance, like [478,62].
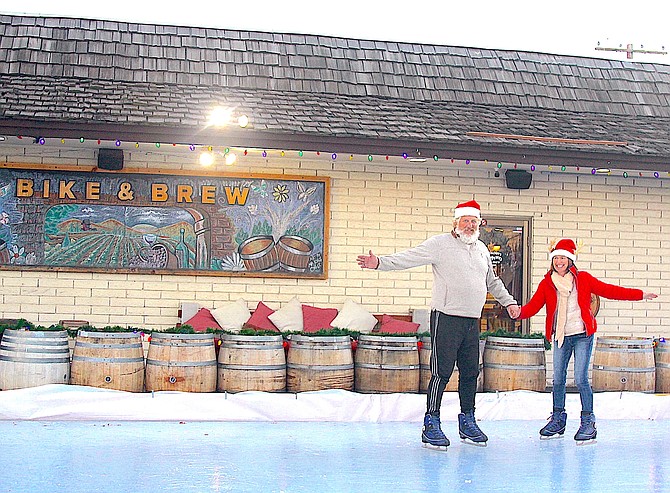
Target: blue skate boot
[469,431]
[432,436]
[555,427]
[587,430]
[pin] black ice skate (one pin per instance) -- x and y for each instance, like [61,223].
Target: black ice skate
[469,431]
[432,436]
[555,427]
[587,430]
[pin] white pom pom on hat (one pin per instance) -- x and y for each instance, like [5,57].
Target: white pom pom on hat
[469,208]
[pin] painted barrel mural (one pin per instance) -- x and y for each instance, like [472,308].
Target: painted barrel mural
[259,253]
[294,252]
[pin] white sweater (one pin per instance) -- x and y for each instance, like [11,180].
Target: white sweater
[462,274]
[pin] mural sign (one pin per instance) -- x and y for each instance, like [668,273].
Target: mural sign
[218,224]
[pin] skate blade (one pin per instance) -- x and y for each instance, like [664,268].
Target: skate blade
[581,443]
[442,448]
[476,444]
[552,437]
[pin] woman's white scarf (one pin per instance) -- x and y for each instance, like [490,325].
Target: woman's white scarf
[564,285]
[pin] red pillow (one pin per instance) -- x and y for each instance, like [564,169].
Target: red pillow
[315,319]
[202,321]
[392,325]
[259,320]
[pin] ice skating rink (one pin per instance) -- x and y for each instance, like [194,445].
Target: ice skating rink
[61,438]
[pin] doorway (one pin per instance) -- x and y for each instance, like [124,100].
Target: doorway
[508,241]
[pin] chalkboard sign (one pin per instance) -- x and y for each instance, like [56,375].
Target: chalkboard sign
[178,223]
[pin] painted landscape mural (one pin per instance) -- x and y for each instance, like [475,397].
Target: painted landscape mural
[255,225]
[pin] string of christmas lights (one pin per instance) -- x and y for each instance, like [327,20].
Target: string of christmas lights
[231,156]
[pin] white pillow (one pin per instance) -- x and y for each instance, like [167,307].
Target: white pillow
[289,316]
[232,316]
[353,316]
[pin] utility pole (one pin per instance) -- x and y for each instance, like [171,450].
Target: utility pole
[630,50]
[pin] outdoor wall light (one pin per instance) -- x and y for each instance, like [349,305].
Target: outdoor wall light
[220,117]
[206,159]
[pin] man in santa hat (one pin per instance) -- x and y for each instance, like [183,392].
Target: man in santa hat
[462,276]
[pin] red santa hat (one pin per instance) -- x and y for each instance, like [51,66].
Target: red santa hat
[565,247]
[469,208]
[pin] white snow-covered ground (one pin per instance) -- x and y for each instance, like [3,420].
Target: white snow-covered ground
[65,438]
[71,402]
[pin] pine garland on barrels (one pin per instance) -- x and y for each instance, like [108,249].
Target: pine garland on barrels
[517,335]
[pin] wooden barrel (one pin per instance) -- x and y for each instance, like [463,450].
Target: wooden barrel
[251,363]
[319,363]
[293,252]
[452,385]
[259,253]
[624,363]
[183,362]
[29,358]
[662,359]
[386,364]
[514,364]
[108,360]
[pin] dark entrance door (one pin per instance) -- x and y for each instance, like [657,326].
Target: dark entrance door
[508,240]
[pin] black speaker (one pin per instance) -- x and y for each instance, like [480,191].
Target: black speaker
[111,159]
[518,179]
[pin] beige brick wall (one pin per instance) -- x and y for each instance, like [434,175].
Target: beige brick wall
[384,206]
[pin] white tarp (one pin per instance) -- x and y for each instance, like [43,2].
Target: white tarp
[72,402]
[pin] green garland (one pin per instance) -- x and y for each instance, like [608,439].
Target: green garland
[517,335]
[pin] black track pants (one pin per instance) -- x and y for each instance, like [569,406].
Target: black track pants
[453,340]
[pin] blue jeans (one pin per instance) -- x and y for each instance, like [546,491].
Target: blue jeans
[581,345]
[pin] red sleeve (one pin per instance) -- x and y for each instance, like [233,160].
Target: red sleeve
[536,302]
[612,291]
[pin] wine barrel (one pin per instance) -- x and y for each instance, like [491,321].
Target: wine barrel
[183,362]
[662,360]
[108,360]
[319,363]
[386,364]
[514,364]
[624,363]
[30,358]
[250,362]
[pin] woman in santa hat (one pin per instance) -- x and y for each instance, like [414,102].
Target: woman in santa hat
[566,292]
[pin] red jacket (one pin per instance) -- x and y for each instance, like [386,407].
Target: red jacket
[586,284]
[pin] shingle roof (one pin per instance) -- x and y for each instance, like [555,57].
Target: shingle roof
[73,73]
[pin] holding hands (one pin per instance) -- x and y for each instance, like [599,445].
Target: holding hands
[368,261]
[513,311]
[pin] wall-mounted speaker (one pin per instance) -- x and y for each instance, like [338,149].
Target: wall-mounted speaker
[111,159]
[518,179]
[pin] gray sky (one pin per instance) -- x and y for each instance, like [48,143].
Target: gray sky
[572,27]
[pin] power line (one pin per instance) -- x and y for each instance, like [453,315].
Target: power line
[629,50]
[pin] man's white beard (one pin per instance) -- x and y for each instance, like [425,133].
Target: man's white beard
[465,238]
